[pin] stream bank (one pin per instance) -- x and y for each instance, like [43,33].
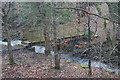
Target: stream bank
[40,49]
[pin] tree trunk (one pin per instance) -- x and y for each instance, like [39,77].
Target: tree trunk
[57,57]
[11,59]
[78,14]
[89,37]
[46,25]
[118,37]
[7,34]
[47,41]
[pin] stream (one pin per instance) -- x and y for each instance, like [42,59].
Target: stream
[14,44]
[41,49]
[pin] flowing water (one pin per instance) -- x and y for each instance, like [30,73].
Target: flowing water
[40,49]
[13,43]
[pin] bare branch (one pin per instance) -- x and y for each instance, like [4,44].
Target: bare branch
[9,8]
[87,13]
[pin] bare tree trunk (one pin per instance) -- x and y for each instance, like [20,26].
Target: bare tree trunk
[57,57]
[108,39]
[78,14]
[89,37]
[47,41]
[100,54]
[114,35]
[118,47]
[11,60]
[10,54]
[46,25]
[7,32]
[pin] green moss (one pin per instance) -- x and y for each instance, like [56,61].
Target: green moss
[83,66]
[119,73]
[68,61]
[67,36]
[96,36]
[108,70]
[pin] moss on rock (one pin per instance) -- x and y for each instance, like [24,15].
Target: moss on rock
[83,66]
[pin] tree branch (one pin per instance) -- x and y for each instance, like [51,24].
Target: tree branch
[87,13]
[8,8]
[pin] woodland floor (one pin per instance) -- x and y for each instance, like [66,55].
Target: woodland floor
[32,65]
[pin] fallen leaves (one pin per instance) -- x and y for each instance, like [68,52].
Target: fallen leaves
[42,69]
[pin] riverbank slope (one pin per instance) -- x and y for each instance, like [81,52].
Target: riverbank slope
[32,65]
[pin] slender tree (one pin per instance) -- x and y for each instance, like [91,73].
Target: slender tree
[89,37]
[6,9]
[57,57]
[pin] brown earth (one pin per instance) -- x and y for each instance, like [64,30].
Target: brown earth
[32,65]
